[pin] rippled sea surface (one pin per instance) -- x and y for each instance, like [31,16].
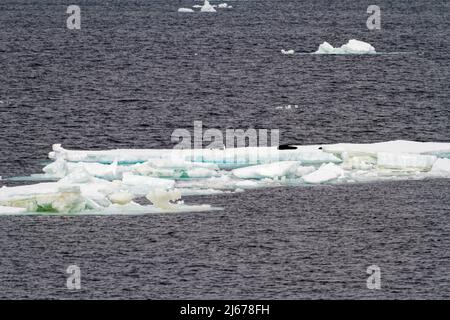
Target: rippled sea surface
[137,70]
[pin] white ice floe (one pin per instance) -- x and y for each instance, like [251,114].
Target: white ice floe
[325,173]
[287,51]
[109,181]
[271,170]
[239,156]
[207,7]
[351,47]
[224,6]
[185,10]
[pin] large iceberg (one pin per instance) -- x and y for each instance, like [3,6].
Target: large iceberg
[351,47]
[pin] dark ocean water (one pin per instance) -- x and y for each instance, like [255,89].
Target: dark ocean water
[137,70]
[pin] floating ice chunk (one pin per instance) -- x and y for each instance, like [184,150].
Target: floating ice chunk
[164,199]
[122,197]
[356,46]
[133,208]
[325,48]
[240,156]
[222,5]
[44,197]
[58,168]
[325,173]
[78,176]
[441,166]
[61,168]
[272,170]
[185,10]
[351,47]
[176,169]
[207,7]
[405,161]
[287,51]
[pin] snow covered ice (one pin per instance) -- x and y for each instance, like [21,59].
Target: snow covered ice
[111,181]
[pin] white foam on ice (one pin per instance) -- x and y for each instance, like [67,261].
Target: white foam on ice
[351,47]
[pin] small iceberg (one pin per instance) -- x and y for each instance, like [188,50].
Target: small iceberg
[351,47]
[287,51]
[207,7]
[186,10]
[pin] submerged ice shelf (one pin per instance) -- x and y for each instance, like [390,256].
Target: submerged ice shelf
[109,182]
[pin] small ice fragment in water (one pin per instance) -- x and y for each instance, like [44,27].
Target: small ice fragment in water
[287,51]
[164,199]
[188,10]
